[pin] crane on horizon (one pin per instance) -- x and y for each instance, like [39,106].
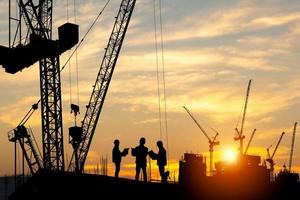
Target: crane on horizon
[212,142]
[270,157]
[240,133]
[250,140]
[292,147]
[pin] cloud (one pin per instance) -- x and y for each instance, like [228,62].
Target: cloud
[276,20]
[13,114]
[242,17]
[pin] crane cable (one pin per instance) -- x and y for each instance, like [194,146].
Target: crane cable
[76,56]
[85,35]
[163,73]
[69,64]
[157,71]
[81,41]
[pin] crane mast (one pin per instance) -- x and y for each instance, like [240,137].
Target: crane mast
[81,144]
[38,18]
[292,146]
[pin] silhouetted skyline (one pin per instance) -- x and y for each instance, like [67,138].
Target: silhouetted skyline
[212,48]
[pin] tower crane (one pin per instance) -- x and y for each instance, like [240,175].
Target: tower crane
[211,141]
[292,147]
[240,137]
[81,137]
[250,140]
[36,45]
[270,157]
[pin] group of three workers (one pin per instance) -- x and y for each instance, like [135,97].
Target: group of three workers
[140,153]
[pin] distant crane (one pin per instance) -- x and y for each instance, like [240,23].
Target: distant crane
[240,137]
[250,140]
[292,147]
[81,137]
[270,157]
[212,142]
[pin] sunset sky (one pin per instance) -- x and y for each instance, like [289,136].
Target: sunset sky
[212,49]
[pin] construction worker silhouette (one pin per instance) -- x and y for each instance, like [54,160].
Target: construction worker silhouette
[140,152]
[117,156]
[161,158]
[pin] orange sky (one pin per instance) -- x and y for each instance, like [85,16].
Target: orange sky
[212,49]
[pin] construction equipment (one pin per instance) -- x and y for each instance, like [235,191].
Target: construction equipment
[26,140]
[212,142]
[292,147]
[240,137]
[270,157]
[81,137]
[250,140]
[36,44]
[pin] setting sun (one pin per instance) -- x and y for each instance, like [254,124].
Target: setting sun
[230,155]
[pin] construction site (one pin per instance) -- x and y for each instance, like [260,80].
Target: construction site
[56,162]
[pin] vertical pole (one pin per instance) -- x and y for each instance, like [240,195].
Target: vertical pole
[211,161]
[20,21]
[9,23]
[150,169]
[15,165]
[23,168]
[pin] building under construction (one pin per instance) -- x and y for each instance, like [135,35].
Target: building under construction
[53,178]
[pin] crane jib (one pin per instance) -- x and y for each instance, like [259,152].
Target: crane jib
[102,83]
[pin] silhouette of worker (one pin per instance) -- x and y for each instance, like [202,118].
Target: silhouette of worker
[117,156]
[161,158]
[140,152]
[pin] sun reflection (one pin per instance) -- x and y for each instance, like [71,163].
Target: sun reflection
[230,155]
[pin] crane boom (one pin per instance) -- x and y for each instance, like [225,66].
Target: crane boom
[214,139]
[250,140]
[202,129]
[211,142]
[292,146]
[23,136]
[277,145]
[240,135]
[103,79]
[245,107]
